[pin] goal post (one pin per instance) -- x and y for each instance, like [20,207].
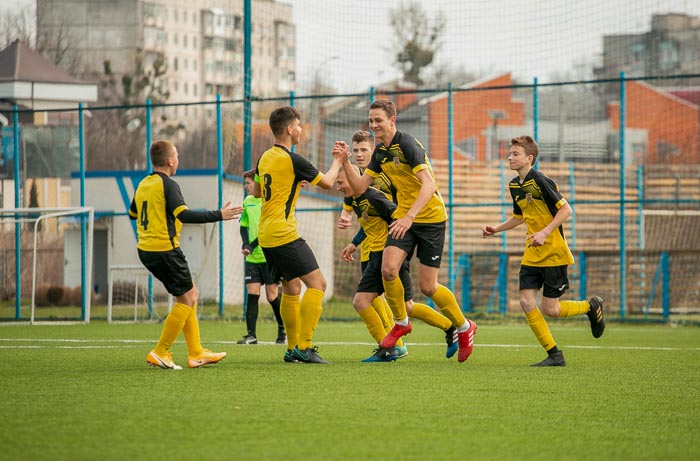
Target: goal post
[42,232]
[131,288]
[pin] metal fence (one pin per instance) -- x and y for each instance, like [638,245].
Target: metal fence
[626,154]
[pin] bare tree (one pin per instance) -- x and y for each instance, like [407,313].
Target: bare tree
[116,137]
[17,26]
[416,38]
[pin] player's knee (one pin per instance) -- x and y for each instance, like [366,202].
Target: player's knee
[550,309]
[428,288]
[389,273]
[527,304]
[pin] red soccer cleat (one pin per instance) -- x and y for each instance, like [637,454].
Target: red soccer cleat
[466,342]
[396,332]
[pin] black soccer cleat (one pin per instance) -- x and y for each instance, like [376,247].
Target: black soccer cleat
[288,357]
[281,337]
[383,355]
[451,340]
[553,360]
[248,339]
[595,315]
[309,355]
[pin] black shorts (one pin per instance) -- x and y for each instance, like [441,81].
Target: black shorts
[258,273]
[170,267]
[428,238]
[291,260]
[555,279]
[371,281]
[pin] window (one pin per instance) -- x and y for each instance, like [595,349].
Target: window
[174,63]
[184,88]
[194,89]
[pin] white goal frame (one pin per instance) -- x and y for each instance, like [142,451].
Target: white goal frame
[47,213]
[135,269]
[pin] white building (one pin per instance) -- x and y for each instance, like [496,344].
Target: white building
[200,40]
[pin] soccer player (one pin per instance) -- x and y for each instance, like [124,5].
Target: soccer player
[374,211]
[256,271]
[280,173]
[419,223]
[538,203]
[159,210]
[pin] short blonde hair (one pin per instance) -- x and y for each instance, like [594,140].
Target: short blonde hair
[528,144]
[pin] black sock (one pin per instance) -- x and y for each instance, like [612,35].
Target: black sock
[275,303]
[553,350]
[251,313]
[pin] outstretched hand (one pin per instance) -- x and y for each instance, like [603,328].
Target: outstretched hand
[229,211]
[487,231]
[348,251]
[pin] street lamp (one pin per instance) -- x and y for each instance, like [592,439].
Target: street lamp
[316,109]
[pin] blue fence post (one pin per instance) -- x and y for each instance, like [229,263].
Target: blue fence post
[465,266]
[149,170]
[247,79]
[572,203]
[83,233]
[666,286]
[535,110]
[450,186]
[18,204]
[583,275]
[640,205]
[220,202]
[623,186]
[503,282]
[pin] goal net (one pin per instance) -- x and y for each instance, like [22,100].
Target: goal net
[133,295]
[46,267]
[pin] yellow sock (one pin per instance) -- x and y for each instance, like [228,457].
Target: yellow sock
[538,325]
[430,316]
[378,304]
[309,315]
[393,291]
[390,318]
[447,303]
[289,310]
[172,327]
[373,323]
[571,308]
[191,332]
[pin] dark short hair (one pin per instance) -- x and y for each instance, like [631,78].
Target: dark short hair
[250,174]
[528,144]
[161,151]
[386,105]
[363,136]
[281,118]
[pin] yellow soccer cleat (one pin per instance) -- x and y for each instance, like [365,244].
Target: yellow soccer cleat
[161,361]
[205,358]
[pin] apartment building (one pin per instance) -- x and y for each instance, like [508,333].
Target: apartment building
[201,42]
[670,47]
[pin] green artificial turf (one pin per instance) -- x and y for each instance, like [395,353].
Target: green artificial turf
[84,392]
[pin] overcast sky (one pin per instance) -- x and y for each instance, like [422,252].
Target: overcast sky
[348,42]
[531,38]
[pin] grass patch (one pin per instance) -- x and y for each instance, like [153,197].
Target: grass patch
[84,392]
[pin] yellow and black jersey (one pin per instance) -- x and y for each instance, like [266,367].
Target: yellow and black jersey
[373,210]
[536,201]
[157,203]
[400,162]
[280,173]
[383,184]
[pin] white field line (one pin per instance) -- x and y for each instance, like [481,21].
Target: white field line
[45,343]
